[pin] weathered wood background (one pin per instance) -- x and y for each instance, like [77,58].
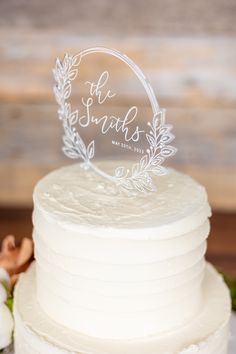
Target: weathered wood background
[187,49]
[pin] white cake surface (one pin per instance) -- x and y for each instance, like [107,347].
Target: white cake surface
[79,199]
[207,333]
[115,261]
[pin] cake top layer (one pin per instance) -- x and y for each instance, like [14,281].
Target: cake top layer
[75,197]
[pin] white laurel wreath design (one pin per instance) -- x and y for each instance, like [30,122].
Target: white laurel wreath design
[159,136]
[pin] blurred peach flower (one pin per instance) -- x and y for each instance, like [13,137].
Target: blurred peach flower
[15,259]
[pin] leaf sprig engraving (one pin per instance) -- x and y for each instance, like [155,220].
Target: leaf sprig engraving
[64,73]
[159,136]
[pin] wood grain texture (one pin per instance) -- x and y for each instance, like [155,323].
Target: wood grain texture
[30,136]
[203,135]
[125,17]
[186,49]
[184,71]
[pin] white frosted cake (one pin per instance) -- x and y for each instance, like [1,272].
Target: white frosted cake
[117,274]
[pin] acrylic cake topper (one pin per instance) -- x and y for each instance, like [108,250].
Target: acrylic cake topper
[155,133]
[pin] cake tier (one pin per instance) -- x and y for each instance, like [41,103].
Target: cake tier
[114,261]
[207,333]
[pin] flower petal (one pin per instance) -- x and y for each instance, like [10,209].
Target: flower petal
[6,326]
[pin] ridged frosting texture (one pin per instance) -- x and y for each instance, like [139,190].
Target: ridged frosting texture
[207,333]
[113,266]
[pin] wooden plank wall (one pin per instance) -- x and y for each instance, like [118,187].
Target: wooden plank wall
[186,49]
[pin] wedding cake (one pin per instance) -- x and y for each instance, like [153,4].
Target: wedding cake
[120,275]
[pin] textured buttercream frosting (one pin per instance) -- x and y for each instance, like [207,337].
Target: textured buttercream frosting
[114,261]
[207,333]
[79,198]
